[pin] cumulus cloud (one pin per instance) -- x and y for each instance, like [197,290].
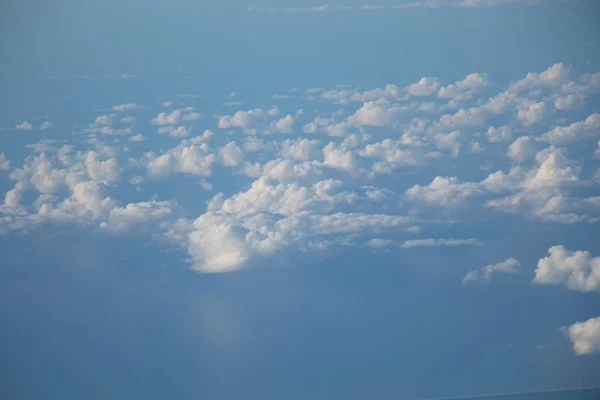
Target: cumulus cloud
[576,132]
[501,134]
[231,155]
[584,336]
[250,120]
[484,274]
[522,149]
[180,131]
[185,158]
[4,163]
[576,270]
[167,118]
[426,86]
[443,191]
[300,149]
[24,126]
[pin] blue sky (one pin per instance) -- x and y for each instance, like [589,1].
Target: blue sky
[299,200]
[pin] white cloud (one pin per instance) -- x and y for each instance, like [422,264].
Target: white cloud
[501,134]
[167,118]
[166,104]
[439,243]
[185,158]
[46,125]
[576,132]
[374,113]
[585,336]
[476,147]
[106,171]
[180,131]
[484,274]
[126,107]
[193,116]
[104,120]
[299,149]
[4,163]
[231,155]
[465,89]
[577,270]
[338,157]
[448,141]
[443,191]
[24,126]
[248,120]
[532,113]
[128,120]
[426,86]
[522,149]
[137,215]
[379,243]
[285,124]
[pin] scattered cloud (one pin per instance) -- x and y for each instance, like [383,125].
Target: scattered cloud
[24,126]
[485,274]
[576,270]
[585,336]
[439,243]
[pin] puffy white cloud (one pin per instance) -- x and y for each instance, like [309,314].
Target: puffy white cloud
[24,126]
[426,86]
[104,120]
[193,116]
[272,215]
[484,274]
[128,120]
[338,157]
[570,101]
[585,336]
[471,117]
[392,154]
[106,171]
[532,113]
[439,243]
[285,124]
[167,118]
[554,170]
[464,89]
[4,163]
[166,104]
[137,138]
[448,141]
[87,202]
[299,149]
[250,120]
[577,270]
[443,191]
[476,147]
[578,131]
[522,149]
[374,113]
[185,158]
[46,125]
[231,155]
[501,134]
[137,215]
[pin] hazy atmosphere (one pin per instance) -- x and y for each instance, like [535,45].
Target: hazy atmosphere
[250,199]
